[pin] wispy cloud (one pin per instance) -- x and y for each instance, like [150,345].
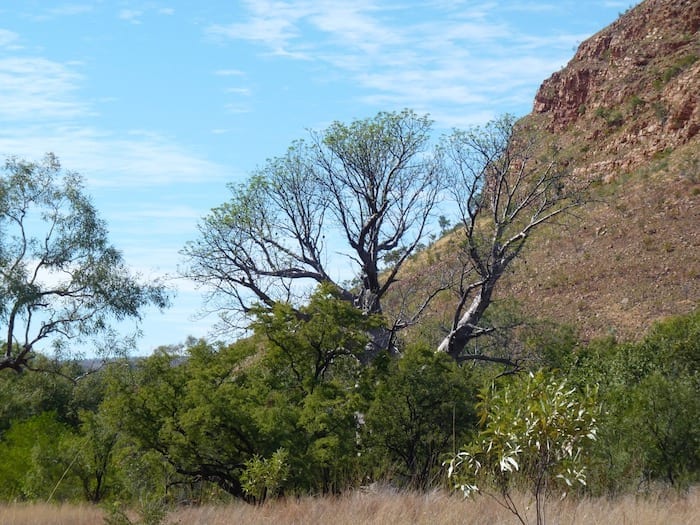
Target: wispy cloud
[108,160]
[34,88]
[444,54]
[131,15]
[271,23]
[135,15]
[41,108]
[238,91]
[229,73]
[8,38]
[70,9]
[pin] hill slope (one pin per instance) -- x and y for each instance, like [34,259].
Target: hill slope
[626,111]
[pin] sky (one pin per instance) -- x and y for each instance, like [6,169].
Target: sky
[160,104]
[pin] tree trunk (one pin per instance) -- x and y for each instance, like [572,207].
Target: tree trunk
[466,328]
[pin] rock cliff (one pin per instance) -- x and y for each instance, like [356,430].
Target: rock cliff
[625,110]
[631,91]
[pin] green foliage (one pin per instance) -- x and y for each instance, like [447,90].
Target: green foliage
[263,478]
[612,117]
[635,103]
[29,394]
[211,411]
[649,430]
[31,462]
[291,410]
[677,68]
[422,405]
[370,185]
[535,431]
[444,224]
[51,233]
[90,452]
[320,342]
[307,381]
[193,410]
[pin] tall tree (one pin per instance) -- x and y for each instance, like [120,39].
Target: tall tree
[506,183]
[364,190]
[60,279]
[369,191]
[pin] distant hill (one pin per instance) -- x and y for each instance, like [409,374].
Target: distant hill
[626,111]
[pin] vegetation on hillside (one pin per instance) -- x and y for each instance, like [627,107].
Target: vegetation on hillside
[328,392]
[290,411]
[417,369]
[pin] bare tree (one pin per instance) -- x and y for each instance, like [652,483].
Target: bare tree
[369,191]
[506,184]
[60,279]
[363,191]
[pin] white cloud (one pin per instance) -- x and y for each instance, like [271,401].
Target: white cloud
[34,88]
[130,15]
[445,55]
[134,16]
[7,38]
[40,108]
[107,160]
[237,108]
[229,73]
[238,91]
[272,23]
[71,9]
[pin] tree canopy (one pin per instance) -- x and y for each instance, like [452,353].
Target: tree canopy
[60,278]
[362,191]
[349,206]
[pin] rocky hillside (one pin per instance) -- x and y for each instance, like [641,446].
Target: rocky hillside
[631,90]
[626,109]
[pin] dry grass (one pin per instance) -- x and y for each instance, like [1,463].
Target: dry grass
[391,509]
[48,514]
[428,509]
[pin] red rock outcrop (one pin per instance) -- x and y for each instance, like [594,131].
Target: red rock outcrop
[631,91]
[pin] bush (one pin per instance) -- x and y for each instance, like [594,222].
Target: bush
[535,430]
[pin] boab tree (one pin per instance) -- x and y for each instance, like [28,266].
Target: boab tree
[60,279]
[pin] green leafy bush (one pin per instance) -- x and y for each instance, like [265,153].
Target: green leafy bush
[263,478]
[535,430]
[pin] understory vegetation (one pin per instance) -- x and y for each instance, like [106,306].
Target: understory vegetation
[290,412]
[409,379]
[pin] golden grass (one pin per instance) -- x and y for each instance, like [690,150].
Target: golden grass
[438,508]
[391,509]
[45,514]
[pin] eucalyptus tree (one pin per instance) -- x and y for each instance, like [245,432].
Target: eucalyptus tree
[506,182]
[346,207]
[61,280]
[370,191]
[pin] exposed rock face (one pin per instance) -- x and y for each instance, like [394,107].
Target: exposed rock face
[626,112]
[632,88]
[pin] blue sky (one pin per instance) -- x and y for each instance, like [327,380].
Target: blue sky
[159,104]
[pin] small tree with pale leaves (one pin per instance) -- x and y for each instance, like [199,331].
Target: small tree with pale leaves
[535,430]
